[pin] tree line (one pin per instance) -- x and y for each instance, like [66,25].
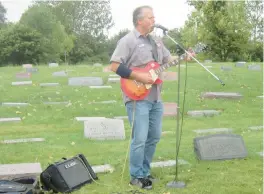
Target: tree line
[76,32]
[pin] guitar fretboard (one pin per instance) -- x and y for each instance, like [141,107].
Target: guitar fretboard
[166,66]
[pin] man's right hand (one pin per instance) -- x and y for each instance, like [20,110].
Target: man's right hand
[143,77]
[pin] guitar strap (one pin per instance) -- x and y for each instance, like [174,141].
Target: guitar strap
[154,48]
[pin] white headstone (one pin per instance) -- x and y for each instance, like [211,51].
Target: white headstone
[23,140]
[103,168]
[203,113]
[53,64]
[97,65]
[114,80]
[22,83]
[167,163]
[55,103]
[240,64]
[114,75]
[213,130]
[100,87]
[10,119]
[27,66]
[85,81]
[32,70]
[60,74]
[106,102]
[14,104]
[255,128]
[254,67]
[104,129]
[48,84]
[9,171]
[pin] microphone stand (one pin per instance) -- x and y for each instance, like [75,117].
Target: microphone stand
[176,183]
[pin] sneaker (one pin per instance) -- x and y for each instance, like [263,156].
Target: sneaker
[153,179]
[142,183]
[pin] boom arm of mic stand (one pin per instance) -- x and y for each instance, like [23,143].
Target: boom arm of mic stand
[195,59]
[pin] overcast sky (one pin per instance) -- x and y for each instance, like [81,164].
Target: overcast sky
[169,13]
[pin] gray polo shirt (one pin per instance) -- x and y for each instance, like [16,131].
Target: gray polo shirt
[134,50]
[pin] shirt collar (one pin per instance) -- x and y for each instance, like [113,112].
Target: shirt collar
[137,33]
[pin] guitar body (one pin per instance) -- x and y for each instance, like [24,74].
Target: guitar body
[136,90]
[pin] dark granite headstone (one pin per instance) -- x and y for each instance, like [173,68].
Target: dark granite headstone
[219,147]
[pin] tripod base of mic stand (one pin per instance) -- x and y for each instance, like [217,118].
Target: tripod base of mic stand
[176,184]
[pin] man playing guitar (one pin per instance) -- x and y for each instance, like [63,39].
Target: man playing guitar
[136,49]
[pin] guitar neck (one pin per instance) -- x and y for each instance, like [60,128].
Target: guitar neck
[166,66]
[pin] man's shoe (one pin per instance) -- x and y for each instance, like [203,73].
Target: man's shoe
[142,183]
[153,179]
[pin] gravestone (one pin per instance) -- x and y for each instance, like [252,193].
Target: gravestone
[27,66]
[23,75]
[11,141]
[240,64]
[104,129]
[219,147]
[99,87]
[60,74]
[53,64]
[167,132]
[226,68]
[97,65]
[167,163]
[22,83]
[9,119]
[208,61]
[170,109]
[48,84]
[55,103]
[88,118]
[114,75]
[85,81]
[103,168]
[114,80]
[106,102]
[169,76]
[32,70]
[10,171]
[225,95]
[254,67]
[14,104]
[256,128]
[213,130]
[203,113]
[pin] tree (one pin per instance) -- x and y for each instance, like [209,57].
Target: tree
[55,41]
[20,44]
[222,27]
[2,14]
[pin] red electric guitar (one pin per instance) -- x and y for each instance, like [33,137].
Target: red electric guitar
[138,91]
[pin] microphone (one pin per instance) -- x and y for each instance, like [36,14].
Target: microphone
[161,27]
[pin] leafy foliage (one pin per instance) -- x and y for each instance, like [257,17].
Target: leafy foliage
[20,44]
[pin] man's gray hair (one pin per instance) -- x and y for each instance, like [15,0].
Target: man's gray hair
[138,13]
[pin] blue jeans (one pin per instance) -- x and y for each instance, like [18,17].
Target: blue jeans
[145,135]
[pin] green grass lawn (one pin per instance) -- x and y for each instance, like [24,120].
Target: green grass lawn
[57,124]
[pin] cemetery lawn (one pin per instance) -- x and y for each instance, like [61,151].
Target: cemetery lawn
[65,137]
